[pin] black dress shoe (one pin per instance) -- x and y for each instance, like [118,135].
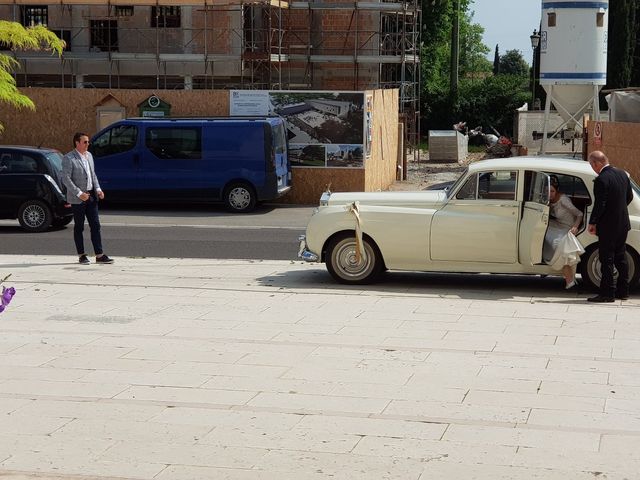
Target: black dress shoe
[622,296]
[601,299]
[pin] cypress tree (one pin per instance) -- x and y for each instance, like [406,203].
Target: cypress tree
[496,61]
[621,43]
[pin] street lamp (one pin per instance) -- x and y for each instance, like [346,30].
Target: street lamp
[535,41]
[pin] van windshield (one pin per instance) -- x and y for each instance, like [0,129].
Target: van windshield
[279,138]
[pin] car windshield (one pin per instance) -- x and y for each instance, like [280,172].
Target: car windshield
[55,158]
[455,186]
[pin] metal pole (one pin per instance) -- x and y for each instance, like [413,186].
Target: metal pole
[533,80]
[545,129]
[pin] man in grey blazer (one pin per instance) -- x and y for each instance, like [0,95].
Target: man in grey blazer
[83,192]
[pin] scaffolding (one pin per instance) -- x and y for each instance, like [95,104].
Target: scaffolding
[246,44]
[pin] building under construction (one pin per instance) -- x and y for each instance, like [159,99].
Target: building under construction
[223,44]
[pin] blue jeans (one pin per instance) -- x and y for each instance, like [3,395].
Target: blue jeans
[88,209]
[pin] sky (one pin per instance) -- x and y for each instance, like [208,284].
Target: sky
[508,23]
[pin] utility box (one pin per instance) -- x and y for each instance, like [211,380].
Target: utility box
[448,146]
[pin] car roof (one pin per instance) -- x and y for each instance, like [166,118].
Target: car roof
[27,148]
[533,163]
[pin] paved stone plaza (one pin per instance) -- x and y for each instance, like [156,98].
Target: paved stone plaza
[216,369]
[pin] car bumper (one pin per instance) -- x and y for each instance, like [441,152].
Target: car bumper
[304,253]
[62,210]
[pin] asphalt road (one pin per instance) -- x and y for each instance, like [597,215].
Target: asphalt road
[269,233]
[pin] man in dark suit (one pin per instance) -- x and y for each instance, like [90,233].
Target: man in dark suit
[610,221]
[83,192]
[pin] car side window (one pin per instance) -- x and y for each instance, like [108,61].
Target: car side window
[469,189]
[5,162]
[18,163]
[115,140]
[498,185]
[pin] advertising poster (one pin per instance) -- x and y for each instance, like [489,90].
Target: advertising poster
[325,129]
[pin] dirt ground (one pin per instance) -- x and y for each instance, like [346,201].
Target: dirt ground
[423,172]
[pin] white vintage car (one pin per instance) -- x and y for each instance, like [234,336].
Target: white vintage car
[493,219]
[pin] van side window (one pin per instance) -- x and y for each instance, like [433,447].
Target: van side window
[175,142]
[115,140]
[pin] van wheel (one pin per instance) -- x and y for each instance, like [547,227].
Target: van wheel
[34,216]
[591,273]
[239,198]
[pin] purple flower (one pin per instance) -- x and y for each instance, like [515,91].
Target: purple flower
[7,295]
[1,308]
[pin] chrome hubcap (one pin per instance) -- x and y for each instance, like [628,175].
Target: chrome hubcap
[239,198]
[347,260]
[33,216]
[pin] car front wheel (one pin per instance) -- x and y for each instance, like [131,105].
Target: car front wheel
[346,266]
[34,216]
[590,268]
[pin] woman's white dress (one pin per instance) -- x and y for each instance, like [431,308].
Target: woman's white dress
[560,246]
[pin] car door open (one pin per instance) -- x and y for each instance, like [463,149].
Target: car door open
[535,217]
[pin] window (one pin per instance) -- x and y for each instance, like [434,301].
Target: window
[551,19]
[124,11]
[18,163]
[33,15]
[574,188]
[115,140]
[468,190]
[500,185]
[104,35]
[65,35]
[600,19]
[175,142]
[168,17]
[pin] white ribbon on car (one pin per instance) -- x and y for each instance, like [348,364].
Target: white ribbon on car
[354,208]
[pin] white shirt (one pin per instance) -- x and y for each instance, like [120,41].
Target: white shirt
[85,164]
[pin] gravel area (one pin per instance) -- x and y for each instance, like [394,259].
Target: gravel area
[423,172]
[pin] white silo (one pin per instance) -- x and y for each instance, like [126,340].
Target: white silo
[573,60]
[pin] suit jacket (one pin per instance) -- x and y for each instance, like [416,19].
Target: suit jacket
[612,190]
[74,176]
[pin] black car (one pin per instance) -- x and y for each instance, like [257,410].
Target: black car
[31,189]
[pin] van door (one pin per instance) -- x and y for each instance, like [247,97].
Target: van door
[172,164]
[116,158]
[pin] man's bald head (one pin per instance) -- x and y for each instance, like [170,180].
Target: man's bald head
[598,160]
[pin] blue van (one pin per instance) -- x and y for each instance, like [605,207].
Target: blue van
[236,160]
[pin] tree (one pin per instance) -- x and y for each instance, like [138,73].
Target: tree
[473,52]
[513,63]
[496,61]
[491,103]
[16,37]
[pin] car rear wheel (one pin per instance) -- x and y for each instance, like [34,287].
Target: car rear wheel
[239,198]
[590,268]
[34,216]
[344,264]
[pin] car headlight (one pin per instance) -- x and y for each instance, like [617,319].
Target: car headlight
[54,184]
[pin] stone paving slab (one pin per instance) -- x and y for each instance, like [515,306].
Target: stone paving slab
[185,369]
